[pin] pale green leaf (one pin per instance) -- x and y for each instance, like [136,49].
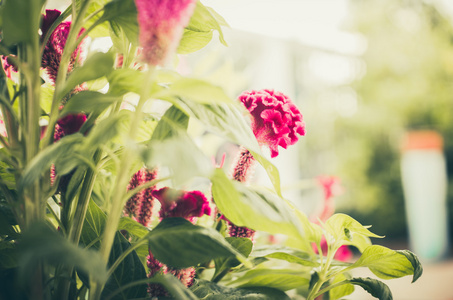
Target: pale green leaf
[282,279]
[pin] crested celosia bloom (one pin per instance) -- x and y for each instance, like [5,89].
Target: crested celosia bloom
[187,205]
[276,121]
[161,27]
[69,125]
[53,50]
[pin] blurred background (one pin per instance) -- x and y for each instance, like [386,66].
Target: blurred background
[365,75]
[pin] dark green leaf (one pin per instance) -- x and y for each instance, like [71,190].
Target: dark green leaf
[129,270]
[253,208]
[40,243]
[87,102]
[281,279]
[314,278]
[174,287]
[55,153]
[384,263]
[98,65]
[375,287]
[416,265]
[8,255]
[178,243]
[173,118]
[6,176]
[207,290]
[21,20]
[242,245]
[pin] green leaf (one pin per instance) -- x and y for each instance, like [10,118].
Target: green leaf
[207,290]
[196,90]
[56,153]
[242,245]
[123,81]
[175,152]
[284,253]
[343,227]
[41,244]
[416,265]
[123,14]
[384,263]
[103,132]
[132,227]
[229,122]
[173,118]
[281,279]
[6,175]
[21,20]
[8,255]
[342,290]
[178,243]
[192,41]
[87,102]
[174,287]
[129,270]
[252,208]
[375,287]
[96,66]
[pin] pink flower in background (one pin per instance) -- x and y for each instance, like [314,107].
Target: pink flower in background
[276,121]
[53,50]
[188,205]
[331,187]
[161,27]
[343,253]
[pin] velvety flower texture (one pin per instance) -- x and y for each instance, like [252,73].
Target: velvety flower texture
[69,125]
[162,24]
[53,50]
[276,121]
[187,205]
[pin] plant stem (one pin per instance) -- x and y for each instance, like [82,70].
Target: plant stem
[121,181]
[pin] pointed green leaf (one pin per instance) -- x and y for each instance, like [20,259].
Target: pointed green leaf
[343,227]
[207,290]
[252,208]
[384,263]
[98,65]
[281,279]
[242,245]
[342,290]
[287,254]
[192,41]
[55,153]
[123,14]
[87,102]
[178,243]
[129,270]
[375,287]
[132,227]
[40,243]
[416,265]
[173,118]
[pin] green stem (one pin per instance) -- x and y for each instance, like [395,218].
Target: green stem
[322,274]
[324,290]
[121,181]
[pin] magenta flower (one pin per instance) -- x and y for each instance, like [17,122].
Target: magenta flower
[276,121]
[53,50]
[187,205]
[343,253]
[161,27]
[69,125]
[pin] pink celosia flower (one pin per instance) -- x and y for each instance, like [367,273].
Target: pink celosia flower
[53,50]
[161,27]
[48,19]
[276,121]
[188,205]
